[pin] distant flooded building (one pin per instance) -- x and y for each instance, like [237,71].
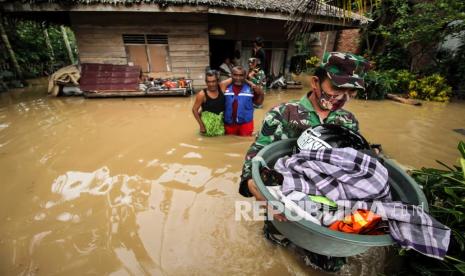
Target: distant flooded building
[174,38]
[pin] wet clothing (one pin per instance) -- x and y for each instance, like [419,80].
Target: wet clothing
[212,114]
[314,260]
[289,120]
[213,105]
[236,89]
[213,123]
[238,104]
[245,129]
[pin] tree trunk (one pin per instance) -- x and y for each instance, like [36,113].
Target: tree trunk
[68,47]
[402,100]
[373,46]
[367,42]
[51,54]
[6,41]
[326,44]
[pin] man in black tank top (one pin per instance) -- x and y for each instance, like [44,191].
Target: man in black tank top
[209,107]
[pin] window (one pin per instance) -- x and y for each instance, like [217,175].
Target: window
[149,51]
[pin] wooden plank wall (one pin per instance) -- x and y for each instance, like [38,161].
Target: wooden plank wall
[99,39]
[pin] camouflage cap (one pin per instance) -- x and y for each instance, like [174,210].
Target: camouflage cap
[345,70]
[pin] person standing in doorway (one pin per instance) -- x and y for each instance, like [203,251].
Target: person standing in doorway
[226,69]
[236,61]
[259,53]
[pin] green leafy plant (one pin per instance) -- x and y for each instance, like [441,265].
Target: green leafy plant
[445,192]
[312,61]
[430,88]
[311,64]
[406,34]
[27,40]
[393,57]
[378,84]
[404,78]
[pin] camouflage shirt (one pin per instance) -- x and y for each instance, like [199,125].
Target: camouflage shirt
[289,120]
[259,78]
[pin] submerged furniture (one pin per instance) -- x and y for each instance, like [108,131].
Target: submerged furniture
[113,80]
[169,87]
[320,239]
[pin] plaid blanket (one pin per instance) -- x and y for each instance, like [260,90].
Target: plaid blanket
[355,180]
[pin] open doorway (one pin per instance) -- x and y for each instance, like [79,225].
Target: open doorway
[220,49]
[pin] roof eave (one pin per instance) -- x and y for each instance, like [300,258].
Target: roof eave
[349,21]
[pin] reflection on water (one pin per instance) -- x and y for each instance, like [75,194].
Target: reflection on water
[128,187]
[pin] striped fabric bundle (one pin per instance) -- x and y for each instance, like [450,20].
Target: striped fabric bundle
[356,180]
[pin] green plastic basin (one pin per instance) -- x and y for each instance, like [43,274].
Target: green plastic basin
[320,239]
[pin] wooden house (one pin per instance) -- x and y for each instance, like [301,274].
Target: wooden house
[176,38]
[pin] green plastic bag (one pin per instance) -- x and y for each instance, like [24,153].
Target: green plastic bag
[323,200]
[213,123]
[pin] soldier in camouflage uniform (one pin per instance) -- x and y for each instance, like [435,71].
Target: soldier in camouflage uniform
[255,74]
[337,78]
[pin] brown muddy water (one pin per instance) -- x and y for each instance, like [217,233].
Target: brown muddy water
[129,187]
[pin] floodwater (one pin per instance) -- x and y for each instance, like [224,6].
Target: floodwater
[129,187]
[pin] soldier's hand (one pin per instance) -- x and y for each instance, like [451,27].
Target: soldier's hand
[254,190]
[259,197]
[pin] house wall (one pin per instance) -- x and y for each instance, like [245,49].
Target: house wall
[349,41]
[99,39]
[328,41]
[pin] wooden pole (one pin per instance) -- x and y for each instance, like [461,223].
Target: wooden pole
[325,46]
[51,54]
[68,47]
[6,41]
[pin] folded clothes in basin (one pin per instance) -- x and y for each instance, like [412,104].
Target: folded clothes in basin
[304,208]
[356,180]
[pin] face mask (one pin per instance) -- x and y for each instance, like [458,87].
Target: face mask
[328,102]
